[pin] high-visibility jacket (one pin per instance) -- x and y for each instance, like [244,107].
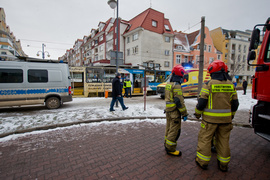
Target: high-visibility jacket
[128,84]
[174,98]
[218,101]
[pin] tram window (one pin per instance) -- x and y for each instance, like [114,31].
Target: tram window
[160,77]
[109,75]
[94,75]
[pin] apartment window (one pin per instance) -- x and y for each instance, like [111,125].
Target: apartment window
[218,56]
[135,50]
[178,59]
[179,47]
[167,27]
[205,46]
[167,39]
[227,45]
[245,48]
[135,36]
[226,56]
[198,47]
[167,52]
[248,68]
[244,58]
[239,58]
[154,23]
[11,75]
[186,59]
[128,52]
[96,57]
[100,38]
[197,59]
[100,48]
[211,59]
[239,48]
[128,40]
[209,48]
[166,64]
[37,76]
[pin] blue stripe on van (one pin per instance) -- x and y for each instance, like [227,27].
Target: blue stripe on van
[32,91]
[195,84]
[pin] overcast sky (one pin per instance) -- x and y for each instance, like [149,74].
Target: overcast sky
[59,23]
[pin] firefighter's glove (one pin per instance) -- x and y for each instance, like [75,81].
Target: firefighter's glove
[184,118]
[197,115]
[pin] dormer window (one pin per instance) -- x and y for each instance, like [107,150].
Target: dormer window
[154,23]
[167,27]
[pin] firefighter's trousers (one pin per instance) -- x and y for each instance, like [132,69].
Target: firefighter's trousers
[222,135]
[173,130]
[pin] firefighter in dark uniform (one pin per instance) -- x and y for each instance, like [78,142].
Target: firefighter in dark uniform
[175,107]
[217,104]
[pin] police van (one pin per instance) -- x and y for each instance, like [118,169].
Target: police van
[29,81]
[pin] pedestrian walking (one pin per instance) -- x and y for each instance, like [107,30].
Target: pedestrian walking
[244,85]
[175,107]
[127,85]
[217,104]
[117,92]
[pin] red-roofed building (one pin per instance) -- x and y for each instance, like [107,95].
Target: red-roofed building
[145,40]
[149,41]
[187,49]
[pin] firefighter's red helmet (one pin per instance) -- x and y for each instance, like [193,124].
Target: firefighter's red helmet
[226,68]
[217,66]
[178,70]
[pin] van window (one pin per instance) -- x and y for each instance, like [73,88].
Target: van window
[55,76]
[11,75]
[37,76]
[185,79]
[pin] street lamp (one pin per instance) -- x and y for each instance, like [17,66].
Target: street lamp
[43,52]
[114,4]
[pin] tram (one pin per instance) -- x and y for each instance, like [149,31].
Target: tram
[95,81]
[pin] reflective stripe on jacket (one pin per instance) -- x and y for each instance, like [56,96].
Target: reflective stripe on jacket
[173,91]
[219,96]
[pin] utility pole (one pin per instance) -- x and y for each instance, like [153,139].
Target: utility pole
[201,62]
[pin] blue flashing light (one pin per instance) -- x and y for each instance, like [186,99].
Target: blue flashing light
[187,67]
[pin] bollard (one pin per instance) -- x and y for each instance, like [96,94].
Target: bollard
[106,93]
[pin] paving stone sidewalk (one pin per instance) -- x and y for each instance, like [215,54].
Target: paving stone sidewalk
[126,150]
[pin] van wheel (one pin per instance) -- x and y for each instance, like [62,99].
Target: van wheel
[53,103]
[162,96]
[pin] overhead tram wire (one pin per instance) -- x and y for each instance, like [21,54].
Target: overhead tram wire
[193,26]
[46,41]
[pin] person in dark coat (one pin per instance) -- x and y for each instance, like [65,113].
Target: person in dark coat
[117,93]
[244,86]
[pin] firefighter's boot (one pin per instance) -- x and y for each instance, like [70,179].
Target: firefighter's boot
[223,168]
[175,153]
[204,167]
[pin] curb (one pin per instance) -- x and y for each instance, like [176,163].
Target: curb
[99,120]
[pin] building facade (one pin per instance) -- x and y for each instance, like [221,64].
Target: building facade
[234,46]
[187,49]
[145,41]
[9,46]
